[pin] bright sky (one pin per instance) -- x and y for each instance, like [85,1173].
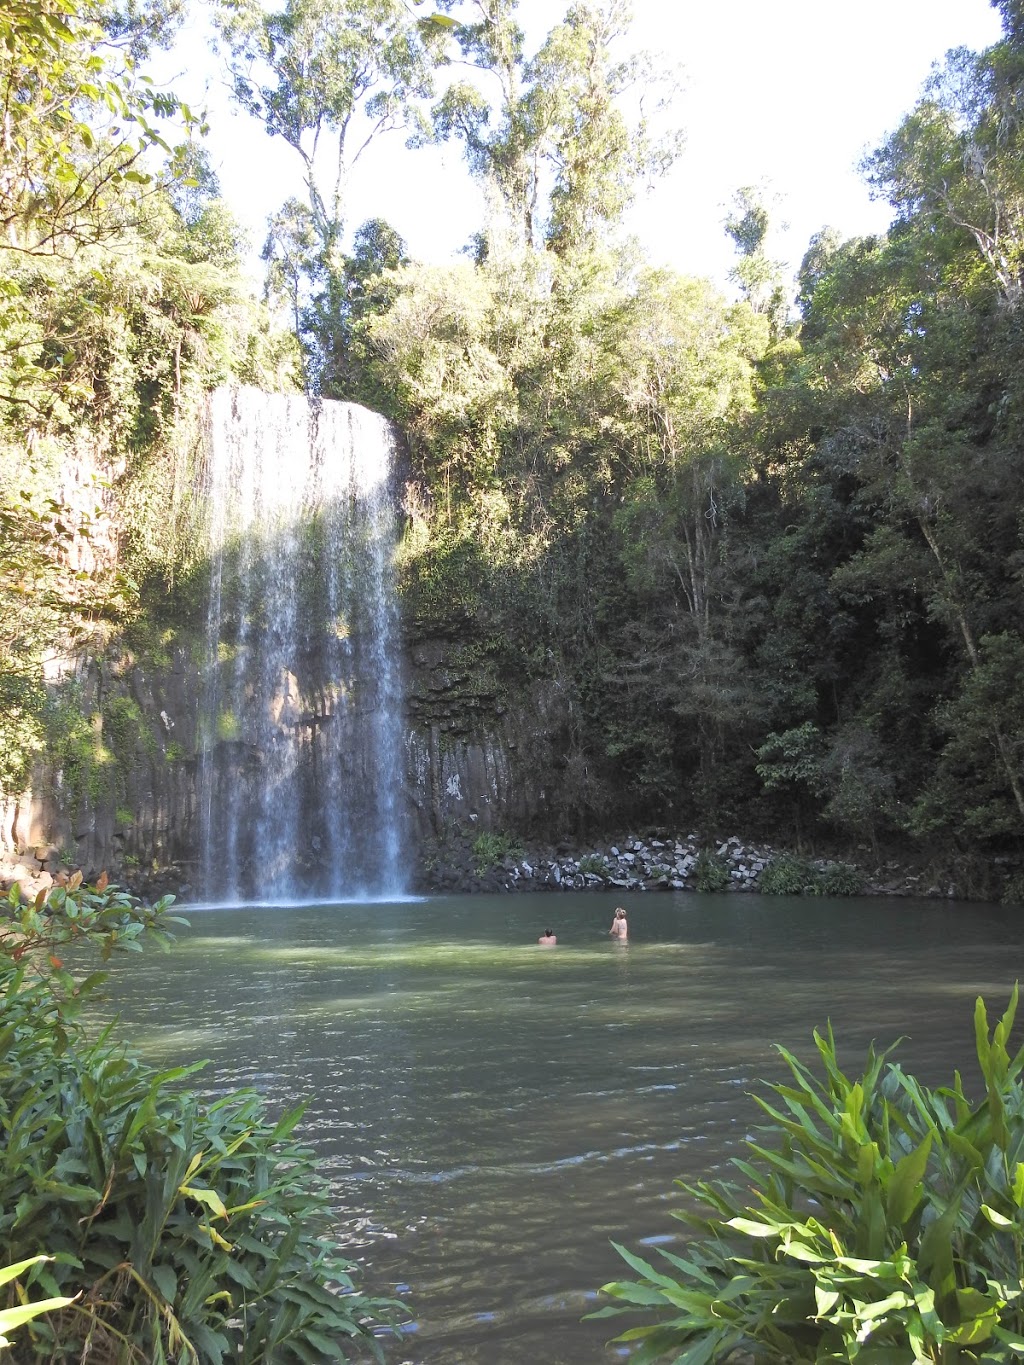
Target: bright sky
[787,92]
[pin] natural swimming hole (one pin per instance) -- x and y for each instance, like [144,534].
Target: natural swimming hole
[492,1114]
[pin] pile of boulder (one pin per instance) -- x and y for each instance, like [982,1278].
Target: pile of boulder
[34,870]
[641,865]
[38,869]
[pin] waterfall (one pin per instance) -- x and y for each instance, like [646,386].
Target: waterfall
[299,765]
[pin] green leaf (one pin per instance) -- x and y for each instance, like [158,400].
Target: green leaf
[904,1191]
[12,1272]
[166,1282]
[642,1267]
[752,1228]
[997,1219]
[16,1317]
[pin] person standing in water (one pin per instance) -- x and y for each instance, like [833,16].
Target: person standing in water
[619,929]
[547,939]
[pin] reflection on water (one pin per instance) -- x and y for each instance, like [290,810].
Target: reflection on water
[491,1113]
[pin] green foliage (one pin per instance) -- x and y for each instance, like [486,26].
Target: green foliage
[72,167]
[839,879]
[594,864]
[307,71]
[787,875]
[790,875]
[490,849]
[10,1318]
[792,758]
[206,1219]
[877,1220]
[771,567]
[178,1228]
[77,127]
[1013,890]
[103,360]
[125,729]
[43,604]
[558,145]
[969,785]
[710,872]
[102,916]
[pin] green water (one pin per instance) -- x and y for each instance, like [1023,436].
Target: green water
[491,1113]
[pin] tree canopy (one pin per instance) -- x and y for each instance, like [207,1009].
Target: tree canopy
[771,552]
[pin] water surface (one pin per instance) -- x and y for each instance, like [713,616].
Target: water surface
[491,1113]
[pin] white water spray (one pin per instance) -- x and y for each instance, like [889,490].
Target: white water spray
[300,761]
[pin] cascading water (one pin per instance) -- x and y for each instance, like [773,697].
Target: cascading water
[300,771]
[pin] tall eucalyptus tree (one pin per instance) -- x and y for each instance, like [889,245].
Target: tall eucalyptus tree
[329,77]
[554,133]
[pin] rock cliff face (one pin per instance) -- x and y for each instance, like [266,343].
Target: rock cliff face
[480,752]
[124,797]
[479,756]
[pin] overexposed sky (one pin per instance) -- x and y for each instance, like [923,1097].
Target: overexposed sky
[787,92]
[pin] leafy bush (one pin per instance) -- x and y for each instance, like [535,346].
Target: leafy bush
[1013,889]
[839,879]
[710,872]
[786,875]
[594,864]
[490,849]
[185,1232]
[789,875]
[103,916]
[877,1221]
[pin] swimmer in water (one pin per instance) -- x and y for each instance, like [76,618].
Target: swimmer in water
[619,929]
[547,939]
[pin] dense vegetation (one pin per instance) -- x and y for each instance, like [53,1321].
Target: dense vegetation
[878,1220]
[771,557]
[122,302]
[174,1229]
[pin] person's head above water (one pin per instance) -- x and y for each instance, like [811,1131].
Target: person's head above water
[619,912]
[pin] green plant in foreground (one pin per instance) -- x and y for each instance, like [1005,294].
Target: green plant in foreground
[879,1222]
[178,1230]
[10,1318]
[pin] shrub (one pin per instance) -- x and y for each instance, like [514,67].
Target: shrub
[877,1221]
[184,1231]
[786,875]
[490,849]
[789,875]
[1013,889]
[710,872]
[839,879]
[594,864]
